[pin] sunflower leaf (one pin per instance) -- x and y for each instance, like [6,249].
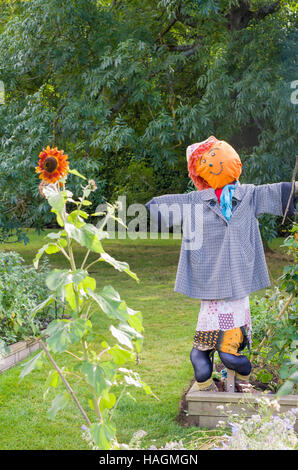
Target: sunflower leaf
[57,202]
[48,248]
[87,235]
[119,265]
[76,173]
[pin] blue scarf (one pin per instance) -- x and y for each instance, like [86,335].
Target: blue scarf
[226,199]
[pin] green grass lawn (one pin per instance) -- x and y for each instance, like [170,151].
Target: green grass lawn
[169,320]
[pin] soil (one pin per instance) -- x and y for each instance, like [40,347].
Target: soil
[187,421]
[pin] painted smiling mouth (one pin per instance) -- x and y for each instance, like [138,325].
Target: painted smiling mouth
[212,172]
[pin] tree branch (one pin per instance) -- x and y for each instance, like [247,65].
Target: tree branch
[191,51]
[266,10]
[117,106]
[166,29]
[239,16]
[292,189]
[181,47]
[188,20]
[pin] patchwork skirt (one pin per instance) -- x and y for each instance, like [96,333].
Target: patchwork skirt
[223,325]
[229,341]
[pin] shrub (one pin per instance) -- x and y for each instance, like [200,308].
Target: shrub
[22,288]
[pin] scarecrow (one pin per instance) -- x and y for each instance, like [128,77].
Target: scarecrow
[222,257]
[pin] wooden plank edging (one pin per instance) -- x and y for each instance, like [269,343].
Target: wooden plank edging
[18,352]
[205,409]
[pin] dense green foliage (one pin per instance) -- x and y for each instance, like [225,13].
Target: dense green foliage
[124,87]
[10,230]
[280,348]
[22,288]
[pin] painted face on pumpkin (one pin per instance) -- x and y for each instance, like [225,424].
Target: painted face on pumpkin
[205,160]
[215,162]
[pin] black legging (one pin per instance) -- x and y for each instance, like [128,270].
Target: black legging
[202,363]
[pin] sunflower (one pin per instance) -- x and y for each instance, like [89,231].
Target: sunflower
[52,165]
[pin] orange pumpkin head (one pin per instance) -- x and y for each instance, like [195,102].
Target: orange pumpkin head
[213,163]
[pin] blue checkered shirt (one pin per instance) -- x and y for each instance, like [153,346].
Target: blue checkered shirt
[227,260]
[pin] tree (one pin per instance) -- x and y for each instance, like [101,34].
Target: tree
[134,82]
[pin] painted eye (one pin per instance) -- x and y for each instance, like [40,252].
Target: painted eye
[213,153]
[204,161]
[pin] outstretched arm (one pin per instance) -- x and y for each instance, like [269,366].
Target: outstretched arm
[167,211]
[273,199]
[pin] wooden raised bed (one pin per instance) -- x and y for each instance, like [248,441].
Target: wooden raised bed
[18,352]
[202,407]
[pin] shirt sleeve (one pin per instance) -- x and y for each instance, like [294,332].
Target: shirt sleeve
[286,189]
[273,199]
[167,211]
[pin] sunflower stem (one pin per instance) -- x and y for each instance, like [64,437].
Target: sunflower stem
[85,259]
[91,264]
[64,252]
[71,259]
[70,390]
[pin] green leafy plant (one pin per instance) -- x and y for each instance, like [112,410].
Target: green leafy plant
[290,273]
[289,284]
[275,336]
[22,288]
[102,368]
[274,340]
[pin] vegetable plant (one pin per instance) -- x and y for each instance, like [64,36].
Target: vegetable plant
[22,288]
[275,335]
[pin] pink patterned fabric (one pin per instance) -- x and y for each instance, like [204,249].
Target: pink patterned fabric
[224,315]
